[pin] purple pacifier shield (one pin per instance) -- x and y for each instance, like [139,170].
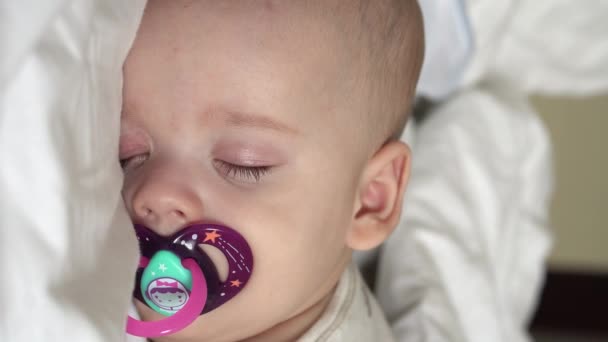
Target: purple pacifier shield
[185,244]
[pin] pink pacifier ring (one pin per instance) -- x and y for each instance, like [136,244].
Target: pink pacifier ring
[182,318]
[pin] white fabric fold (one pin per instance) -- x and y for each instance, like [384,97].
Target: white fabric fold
[467,260]
[556,47]
[67,246]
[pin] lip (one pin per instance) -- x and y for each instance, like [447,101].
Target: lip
[209,222]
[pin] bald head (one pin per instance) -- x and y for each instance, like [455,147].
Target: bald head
[397,56]
[386,43]
[388,40]
[375,48]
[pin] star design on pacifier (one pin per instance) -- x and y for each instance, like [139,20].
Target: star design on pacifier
[211,236]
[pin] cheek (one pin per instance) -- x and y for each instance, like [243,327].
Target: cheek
[303,230]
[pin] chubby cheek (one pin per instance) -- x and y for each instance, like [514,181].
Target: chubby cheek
[299,241]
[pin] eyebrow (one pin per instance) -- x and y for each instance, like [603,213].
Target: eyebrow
[239,119]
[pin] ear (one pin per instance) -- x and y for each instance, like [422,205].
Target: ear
[380,196]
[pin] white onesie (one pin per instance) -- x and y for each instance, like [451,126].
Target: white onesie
[352,315]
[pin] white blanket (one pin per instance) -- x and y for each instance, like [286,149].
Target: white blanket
[67,248]
[556,47]
[467,260]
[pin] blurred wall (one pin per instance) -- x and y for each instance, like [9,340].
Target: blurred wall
[579,129]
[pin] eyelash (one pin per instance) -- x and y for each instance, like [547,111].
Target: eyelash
[247,173]
[127,163]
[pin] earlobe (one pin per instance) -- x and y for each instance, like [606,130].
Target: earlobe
[380,196]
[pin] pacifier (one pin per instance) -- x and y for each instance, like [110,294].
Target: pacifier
[177,279]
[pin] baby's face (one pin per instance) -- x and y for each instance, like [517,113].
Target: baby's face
[238,117]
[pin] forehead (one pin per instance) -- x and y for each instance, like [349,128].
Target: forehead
[245,54]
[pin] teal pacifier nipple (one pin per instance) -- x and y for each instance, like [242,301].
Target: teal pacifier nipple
[165,283]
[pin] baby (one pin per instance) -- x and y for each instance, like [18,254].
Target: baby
[279,119]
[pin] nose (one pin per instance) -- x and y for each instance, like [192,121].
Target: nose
[165,206]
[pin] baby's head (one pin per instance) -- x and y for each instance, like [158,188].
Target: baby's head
[276,118]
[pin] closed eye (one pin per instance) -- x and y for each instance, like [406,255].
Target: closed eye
[241,172]
[133,162]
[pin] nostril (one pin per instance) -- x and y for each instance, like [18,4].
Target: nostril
[145,211]
[165,207]
[179,213]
